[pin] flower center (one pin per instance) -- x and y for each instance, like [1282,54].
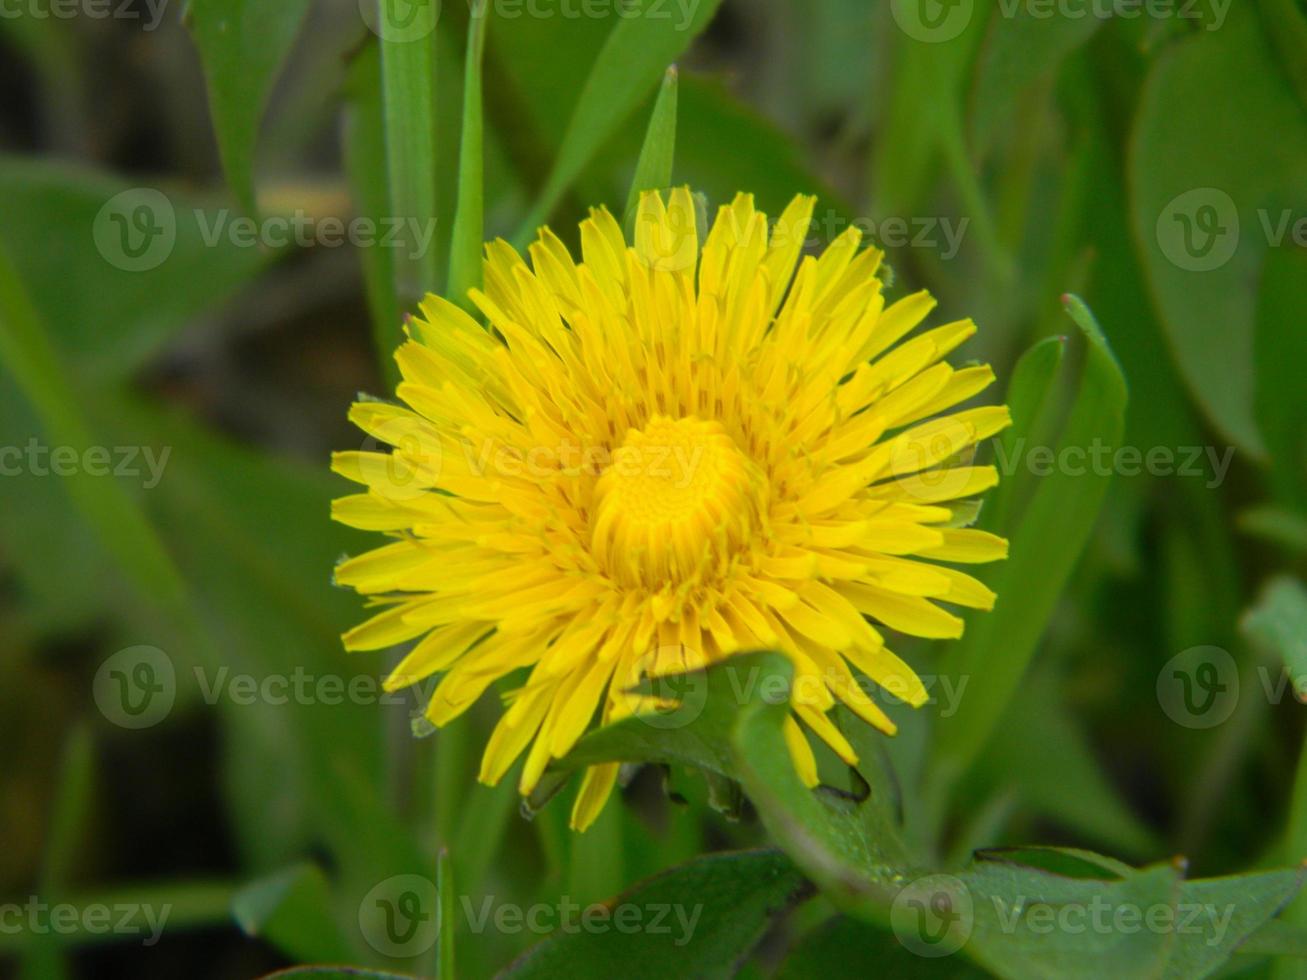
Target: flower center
[678,501]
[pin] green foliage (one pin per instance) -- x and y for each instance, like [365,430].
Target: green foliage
[1154,164]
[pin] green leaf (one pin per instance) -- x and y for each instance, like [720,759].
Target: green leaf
[1276,938]
[1279,622]
[292,910]
[653,169]
[365,163]
[728,720]
[31,359]
[1021,920]
[842,948]
[1017,51]
[338,973]
[1032,398]
[712,912]
[1209,191]
[408,88]
[637,52]
[243,44]
[1280,352]
[1041,751]
[469,219]
[140,259]
[1282,527]
[1048,538]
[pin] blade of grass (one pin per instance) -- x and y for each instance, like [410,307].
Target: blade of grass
[365,162]
[1032,399]
[636,53]
[408,66]
[469,219]
[653,170]
[445,891]
[191,904]
[998,646]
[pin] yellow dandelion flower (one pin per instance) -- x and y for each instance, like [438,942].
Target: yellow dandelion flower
[660,456]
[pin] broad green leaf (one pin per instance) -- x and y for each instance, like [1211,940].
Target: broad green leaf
[1017,51]
[1211,190]
[243,44]
[291,910]
[1277,938]
[653,169]
[145,262]
[1280,352]
[1046,542]
[637,52]
[1023,921]
[31,359]
[469,220]
[728,720]
[712,913]
[842,948]
[1279,622]
[1286,24]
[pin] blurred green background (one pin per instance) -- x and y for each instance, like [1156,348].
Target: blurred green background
[192,292]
